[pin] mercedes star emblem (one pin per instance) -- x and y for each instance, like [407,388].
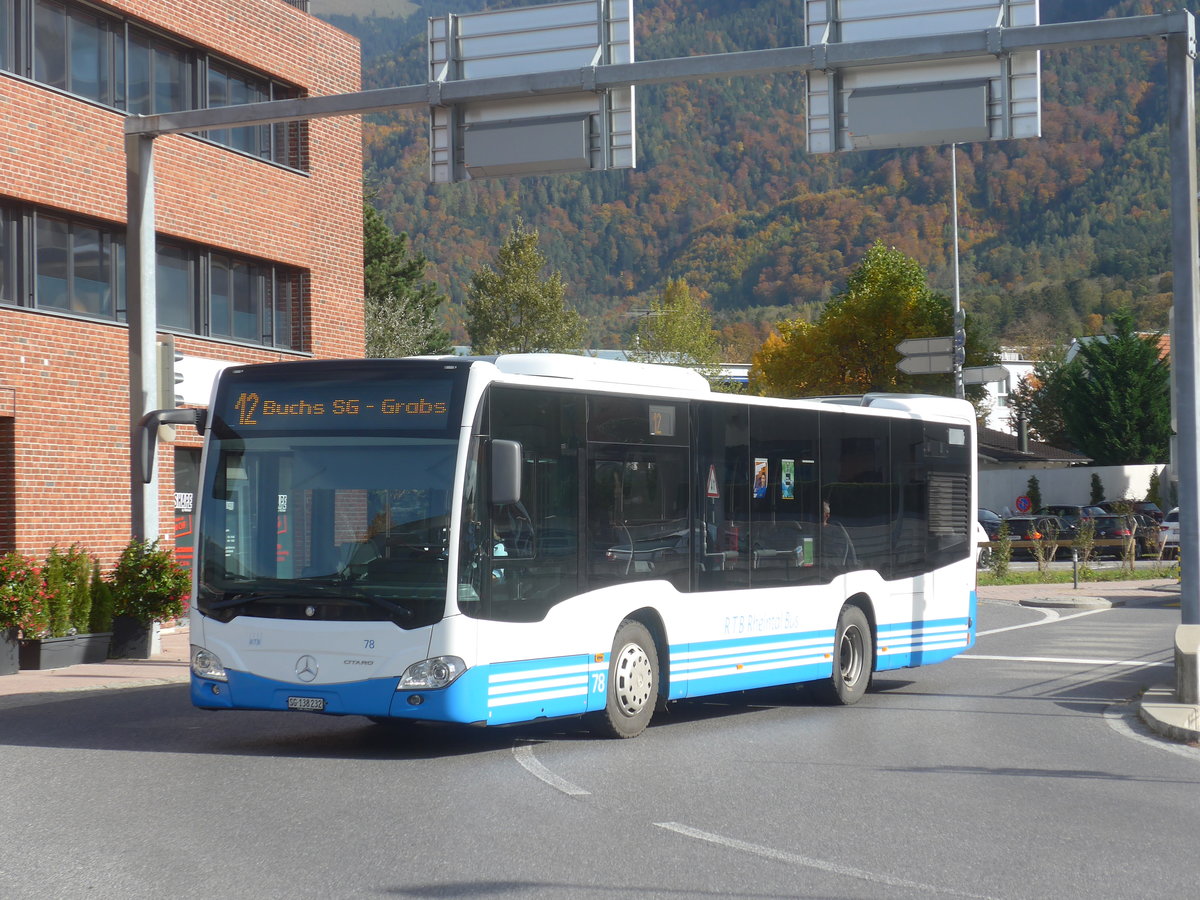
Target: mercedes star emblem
[306,668]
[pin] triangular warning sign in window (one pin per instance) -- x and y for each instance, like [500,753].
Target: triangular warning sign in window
[713,490]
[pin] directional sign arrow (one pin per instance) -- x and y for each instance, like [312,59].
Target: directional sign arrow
[926,346]
[984,374]
[927,364]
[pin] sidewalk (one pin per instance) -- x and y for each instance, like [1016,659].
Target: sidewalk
[31,686]
[1157,707]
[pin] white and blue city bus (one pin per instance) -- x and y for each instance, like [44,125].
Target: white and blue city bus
[504,539]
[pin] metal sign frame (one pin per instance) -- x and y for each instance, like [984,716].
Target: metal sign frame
[535,134]
[992,96]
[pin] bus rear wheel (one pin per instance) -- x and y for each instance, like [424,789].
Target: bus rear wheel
[853,656]
[632,683]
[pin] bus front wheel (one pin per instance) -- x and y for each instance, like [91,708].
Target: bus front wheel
[632,682]
[853,657]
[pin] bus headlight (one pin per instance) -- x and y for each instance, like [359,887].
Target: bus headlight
[206,664]
[430,674]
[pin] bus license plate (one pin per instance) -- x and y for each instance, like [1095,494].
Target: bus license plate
[308,704]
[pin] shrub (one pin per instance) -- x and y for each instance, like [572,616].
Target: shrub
[79,578]
[58,593]
[101,613]
[1002,552]
[148,584]
[1033,490]
[23,596]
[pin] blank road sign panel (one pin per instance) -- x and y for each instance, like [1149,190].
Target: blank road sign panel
[926,346]
[518,149]
[927,364]
[919,115]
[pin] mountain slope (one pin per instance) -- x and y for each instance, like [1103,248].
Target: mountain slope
[1052,230]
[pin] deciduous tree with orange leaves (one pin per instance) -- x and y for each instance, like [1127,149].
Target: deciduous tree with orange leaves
[851,347]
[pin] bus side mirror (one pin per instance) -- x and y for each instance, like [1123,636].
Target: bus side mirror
[146,433]
[506,472]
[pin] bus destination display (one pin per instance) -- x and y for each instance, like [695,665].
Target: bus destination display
[416,405]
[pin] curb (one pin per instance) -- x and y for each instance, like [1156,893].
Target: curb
[1162,714]
[1071,602]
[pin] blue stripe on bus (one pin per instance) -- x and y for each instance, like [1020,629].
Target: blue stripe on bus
[904,645]
[715,667]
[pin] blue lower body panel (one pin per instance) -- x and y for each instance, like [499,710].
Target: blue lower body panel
[492,694]
[922,643]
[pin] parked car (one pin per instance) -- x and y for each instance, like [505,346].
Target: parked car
[1071,514]
[1109,528]
[1168,535]
[983,555]
[990,521]
[1033,528]
[1135,507]
[1146,531]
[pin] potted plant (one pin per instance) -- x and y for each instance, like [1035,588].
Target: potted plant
[23,611]
[61,636]
[148,586]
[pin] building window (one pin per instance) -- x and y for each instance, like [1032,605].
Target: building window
[55,263]
[75,267]
[160,76]
[73,50]
[8,35]
[9,254]
[227,87]
[235,296]
[111,61]
[176,286]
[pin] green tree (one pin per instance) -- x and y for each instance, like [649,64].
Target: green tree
[1097,488]
[677,329]
[1153,491]
[851,347]
[400,305]
[1116,397]
[1038,399]
[512,308]
[1033,490]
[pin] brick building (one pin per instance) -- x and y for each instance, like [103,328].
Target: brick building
[259,234]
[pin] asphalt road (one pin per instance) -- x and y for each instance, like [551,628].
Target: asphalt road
[1016,771]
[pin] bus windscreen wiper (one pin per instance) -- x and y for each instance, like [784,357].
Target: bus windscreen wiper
[306,590]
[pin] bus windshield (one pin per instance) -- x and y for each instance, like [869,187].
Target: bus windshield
[353,466]
[360,529]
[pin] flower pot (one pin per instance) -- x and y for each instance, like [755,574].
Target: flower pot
[133,638]
[9,652]
[59,652]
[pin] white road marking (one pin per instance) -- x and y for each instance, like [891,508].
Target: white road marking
[1066,660]
[1048,616]
[524,755]
[810,863]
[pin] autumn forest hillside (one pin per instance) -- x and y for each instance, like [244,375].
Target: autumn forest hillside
[1054,232]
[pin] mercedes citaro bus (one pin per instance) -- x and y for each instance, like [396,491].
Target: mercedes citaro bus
[511,538]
